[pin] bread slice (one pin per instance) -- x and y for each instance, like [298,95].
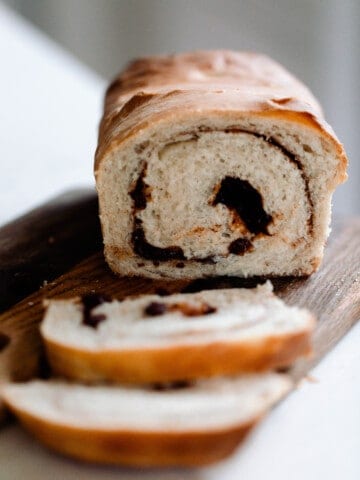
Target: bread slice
[181,336]
[194,425]
[214,163]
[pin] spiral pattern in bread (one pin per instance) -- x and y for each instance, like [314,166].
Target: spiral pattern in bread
[214,163]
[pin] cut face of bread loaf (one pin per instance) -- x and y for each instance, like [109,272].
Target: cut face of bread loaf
[181,336]
[194,425]
[214,163]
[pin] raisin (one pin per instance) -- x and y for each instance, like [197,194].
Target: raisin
[155,308]
[240,246]
[94,320]
[90,301]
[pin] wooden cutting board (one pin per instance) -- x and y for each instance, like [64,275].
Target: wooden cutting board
[333,293]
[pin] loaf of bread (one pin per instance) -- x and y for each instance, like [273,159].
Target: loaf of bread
[181,336]
[188,425]
[214,163]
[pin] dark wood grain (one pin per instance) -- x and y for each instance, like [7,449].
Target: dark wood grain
[333,294]
[46,242]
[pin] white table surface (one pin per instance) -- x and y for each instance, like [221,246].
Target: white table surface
[50,107]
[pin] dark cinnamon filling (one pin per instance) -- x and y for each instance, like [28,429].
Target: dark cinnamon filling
[140,193]
[145,250]
[90,301]
[210,260]
[238,195]
[291,157]
[155,309]
[178,385]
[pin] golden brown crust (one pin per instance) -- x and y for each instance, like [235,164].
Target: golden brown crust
[222,83]
[184,362]
[204,69]
[136,448]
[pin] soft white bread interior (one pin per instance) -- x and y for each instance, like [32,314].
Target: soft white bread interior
[180,336]
[196,424]
[214,163]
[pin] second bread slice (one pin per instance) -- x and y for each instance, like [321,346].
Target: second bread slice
[194,425]
[178,337]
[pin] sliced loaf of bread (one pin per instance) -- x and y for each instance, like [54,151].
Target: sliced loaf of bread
[214,163]
[177,337]
[194,425]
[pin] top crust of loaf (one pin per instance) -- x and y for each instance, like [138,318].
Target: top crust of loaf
[226,83]
[202,68]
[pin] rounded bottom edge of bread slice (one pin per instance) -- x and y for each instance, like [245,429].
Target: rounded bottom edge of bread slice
[247,330]
[195,425]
